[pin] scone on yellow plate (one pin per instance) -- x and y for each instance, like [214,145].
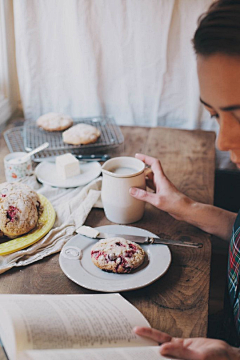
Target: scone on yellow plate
[117,255]
[54,121]
[81,134]
[19,209]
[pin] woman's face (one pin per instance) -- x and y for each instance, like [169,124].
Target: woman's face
[219,80]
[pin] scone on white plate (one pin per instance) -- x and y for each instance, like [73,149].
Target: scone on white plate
[54,121]
[81,134]
[19,209]
[117,255]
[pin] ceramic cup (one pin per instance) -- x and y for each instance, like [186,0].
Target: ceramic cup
[119,174]
[15,170]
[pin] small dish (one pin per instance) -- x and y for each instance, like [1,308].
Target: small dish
[15,170]
[75,261]
[44,225]
[47,174]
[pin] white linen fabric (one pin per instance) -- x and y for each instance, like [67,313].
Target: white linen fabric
[72,207]
[130,59]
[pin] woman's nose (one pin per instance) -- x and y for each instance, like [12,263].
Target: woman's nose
[223,142]
[228,138]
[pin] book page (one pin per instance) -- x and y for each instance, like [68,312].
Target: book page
[73,321]
[133,353]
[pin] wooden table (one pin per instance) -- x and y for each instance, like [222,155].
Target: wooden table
[178,302]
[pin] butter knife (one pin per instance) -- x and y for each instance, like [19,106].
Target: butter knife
[145,240]
[150,240]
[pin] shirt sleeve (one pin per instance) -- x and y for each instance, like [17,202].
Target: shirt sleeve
[233,272]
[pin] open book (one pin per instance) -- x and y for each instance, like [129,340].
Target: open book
[73,327]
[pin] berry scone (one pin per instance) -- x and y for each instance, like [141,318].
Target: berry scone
[81,134]
[117,255]
[19,209]
[54,122]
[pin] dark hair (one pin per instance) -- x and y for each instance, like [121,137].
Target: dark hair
[219,29]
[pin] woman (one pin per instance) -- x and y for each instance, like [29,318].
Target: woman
[217,45]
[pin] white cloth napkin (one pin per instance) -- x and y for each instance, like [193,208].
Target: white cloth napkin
[72,207]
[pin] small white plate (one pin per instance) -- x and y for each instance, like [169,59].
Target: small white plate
[47,174]
[75,261]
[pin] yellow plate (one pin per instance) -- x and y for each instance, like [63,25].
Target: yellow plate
[44,225]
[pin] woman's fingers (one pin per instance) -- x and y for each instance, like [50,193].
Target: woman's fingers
[153,162]
[149,160]
[153,334]
[187,349]
[177,350]
[144,195]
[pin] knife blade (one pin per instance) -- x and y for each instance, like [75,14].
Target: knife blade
[150,240]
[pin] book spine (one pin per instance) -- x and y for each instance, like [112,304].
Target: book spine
[3,352]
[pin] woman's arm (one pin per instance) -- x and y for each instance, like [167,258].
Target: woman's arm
[168,198]
[211,219]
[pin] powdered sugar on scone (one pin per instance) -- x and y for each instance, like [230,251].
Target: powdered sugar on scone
[54,121]
[81,134]
[19,209]
[117,255]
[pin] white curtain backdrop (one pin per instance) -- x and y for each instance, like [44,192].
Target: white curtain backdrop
[132,59]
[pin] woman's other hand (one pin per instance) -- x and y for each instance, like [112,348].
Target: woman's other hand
[190,349]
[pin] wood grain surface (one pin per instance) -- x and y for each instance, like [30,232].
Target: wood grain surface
[178,302]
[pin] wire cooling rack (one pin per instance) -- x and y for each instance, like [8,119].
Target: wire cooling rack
[14,139]
[111,135]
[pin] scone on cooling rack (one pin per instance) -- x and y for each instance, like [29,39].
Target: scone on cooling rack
[19,209]
[117,255]
[54,121]
[81,134]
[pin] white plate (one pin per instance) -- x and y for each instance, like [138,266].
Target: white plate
[47,174]
[75,261]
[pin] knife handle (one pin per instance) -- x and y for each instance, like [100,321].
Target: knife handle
[93,157]
[151,240]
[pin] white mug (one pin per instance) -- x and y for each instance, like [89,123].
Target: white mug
[119,175]
[15,170]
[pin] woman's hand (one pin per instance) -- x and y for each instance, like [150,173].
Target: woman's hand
[166,196]
[190,349]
